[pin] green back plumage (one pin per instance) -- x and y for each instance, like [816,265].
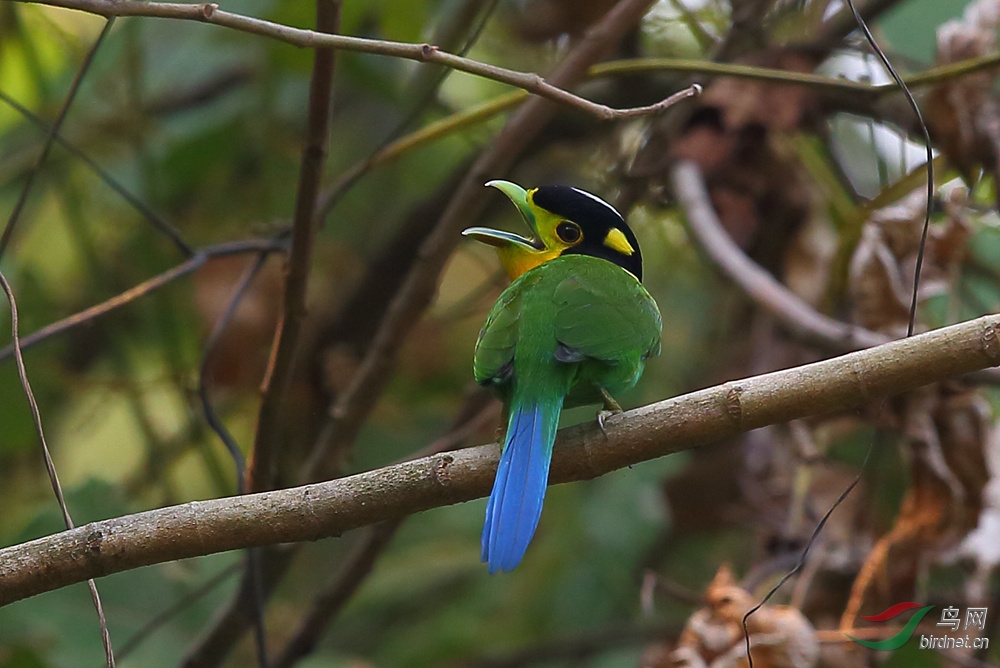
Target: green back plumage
[578,308]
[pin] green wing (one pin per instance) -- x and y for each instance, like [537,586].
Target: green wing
[604,313]
[498,337]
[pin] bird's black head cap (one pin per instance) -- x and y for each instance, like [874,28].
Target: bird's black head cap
[596,219]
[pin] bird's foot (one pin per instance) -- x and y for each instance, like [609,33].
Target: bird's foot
[602,415]
[611,407]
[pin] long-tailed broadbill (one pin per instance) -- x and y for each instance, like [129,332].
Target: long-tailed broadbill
[574,327]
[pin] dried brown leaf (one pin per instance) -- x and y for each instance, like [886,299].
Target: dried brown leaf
[964,113]
[946,430]
[240,355]
[882,267]
[780,636]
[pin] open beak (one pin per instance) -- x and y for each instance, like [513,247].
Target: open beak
[499,238]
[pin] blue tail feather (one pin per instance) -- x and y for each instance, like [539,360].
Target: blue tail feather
[515,504]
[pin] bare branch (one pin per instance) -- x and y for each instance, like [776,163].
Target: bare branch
[50,466]
[424,53]
[50,138]
[286,341]
[796,315]
[183,269]
[582,452]
[143,209]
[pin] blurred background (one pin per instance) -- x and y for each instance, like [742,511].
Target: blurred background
[202,129]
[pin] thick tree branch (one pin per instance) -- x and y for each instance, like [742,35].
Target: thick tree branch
[582,452]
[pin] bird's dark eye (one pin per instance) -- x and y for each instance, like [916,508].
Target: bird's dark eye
[569,232]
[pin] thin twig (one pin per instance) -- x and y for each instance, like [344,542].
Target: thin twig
[954,70]
[427,90]
[582,452]
[22,199]
[211,416]
[183,603]
[119,189]
[929,159]
[253,557]
[328,604]
[149,285]
[443,127]
[278,379]
[804,555]
[210,13]
[484,111]
[840,25]
[50,467]
[424,53]
[392,145]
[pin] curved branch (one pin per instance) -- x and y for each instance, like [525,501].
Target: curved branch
[805,322]
[796,315]
[326,509]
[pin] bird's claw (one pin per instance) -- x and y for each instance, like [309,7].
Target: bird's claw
[602,415]
[611,407]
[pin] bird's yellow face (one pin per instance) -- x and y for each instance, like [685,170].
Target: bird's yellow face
[563,221]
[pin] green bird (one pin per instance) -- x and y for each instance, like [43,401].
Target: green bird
[574,327]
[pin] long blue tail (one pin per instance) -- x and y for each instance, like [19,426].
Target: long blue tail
[515,504]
